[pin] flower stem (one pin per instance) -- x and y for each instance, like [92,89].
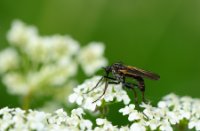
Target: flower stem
[182,125]
[26,101]
[103,109]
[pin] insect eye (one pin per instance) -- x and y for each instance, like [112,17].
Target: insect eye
[107,69]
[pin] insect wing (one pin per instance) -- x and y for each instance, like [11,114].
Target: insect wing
[134,71]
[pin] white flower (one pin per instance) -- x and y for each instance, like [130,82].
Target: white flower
[15,83]
[38,50]
[89,105]
[153,118]
[85,125]
[121,95]
[171,100]
[105,125]
[50,49]
[61,113]
[17,119]
[37,62]
[9,59]
[20,34]
[91,57]
[77,119]
[100,121]
[124,128]
[86,100]
[185,114]
[162,104]
[63,70]
[62,46]
[48,75]
[165,126]
[194,123]
[173,117]
[58,117]
[133,114]
[170,111]
[149,111]
[77,112]
[137,127]
[76,97]
[153,124]
[127,109]
[37,120]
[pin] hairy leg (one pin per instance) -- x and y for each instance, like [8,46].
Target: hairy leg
[132,86]
[100,80]
[141,86]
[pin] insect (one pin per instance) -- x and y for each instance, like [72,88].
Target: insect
[120,72]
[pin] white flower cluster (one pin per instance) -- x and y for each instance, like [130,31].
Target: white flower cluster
[34,62]
[19,120]
[86,100]
[105,125]
[171,111]
[91,57]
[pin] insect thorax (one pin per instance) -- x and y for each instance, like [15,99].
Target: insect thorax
[117,75]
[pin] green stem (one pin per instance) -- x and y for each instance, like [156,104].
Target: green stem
[103,109]
[182,125]
[26,101]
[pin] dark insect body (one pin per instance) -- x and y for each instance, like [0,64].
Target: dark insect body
[120,72]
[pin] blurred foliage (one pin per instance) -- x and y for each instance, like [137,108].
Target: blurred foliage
[160,36]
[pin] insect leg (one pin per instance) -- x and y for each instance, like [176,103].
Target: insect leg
[140,81]
[143,98]
[132,86]
[110,78]
[141,86]
[95,85]
[136,97]
[104,91]
[114,82]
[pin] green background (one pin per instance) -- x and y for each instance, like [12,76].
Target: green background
[162,36]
